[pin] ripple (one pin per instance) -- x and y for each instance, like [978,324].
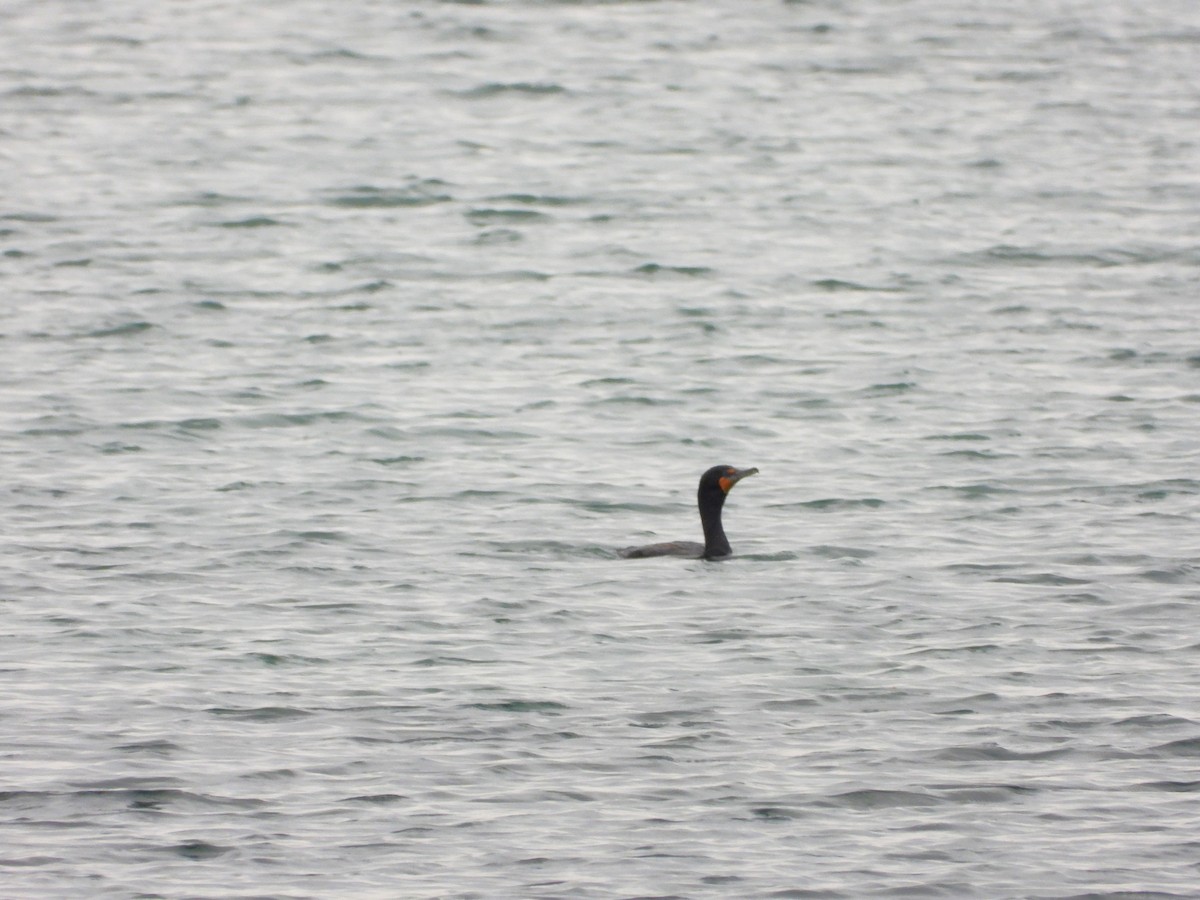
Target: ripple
[418,194]
[127,329]
[549,707]
[260,714]
[996,752]
[197,850]
[251,222]
[872,799]
[493,89]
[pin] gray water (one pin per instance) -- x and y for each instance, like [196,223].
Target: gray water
[342,343]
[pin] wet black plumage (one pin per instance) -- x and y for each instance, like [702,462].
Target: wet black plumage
[715,485]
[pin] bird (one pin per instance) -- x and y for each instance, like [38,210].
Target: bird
[715,485]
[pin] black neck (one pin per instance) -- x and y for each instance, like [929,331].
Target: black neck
[715,542]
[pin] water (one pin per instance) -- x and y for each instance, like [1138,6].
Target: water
[342,344]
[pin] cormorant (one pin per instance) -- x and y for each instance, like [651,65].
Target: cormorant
[715,484]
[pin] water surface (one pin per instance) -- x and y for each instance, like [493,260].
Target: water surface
[342,344]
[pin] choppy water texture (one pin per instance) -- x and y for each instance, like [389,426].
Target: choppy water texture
[342,343]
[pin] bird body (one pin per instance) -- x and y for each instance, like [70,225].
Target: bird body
[684,549]
[715,485]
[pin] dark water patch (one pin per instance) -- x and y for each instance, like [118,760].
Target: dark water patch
[159,747]
[688,718]
[806,893]
[997,753]
[494,236]
[1073,725]
[199,424]
[721,879]
[793,703]
[776,556]
[1161,490]
[810,403]
[654,270]
[367,287]
[839,286]
[31,218]
[430,662]
[246,485]
[197,850]
[270,775]
[211,199]
[872,799]
[130,781]
[977,454]
[977,491]
[534,548]
[546,707]
[483,217]
[59,430]
[182,426]
[860,67]
[251,222]
[377,799]
[1013,255]
[1083,597]
[746,361]
[1161,720]
[958,436]
[210,305]
[638,400]
[842,503]
[724,636]
[1183,573]
[504,276]
[1168,787]
[985,793]
[285,659]
[1164,609]
[259,714]
[151,801]
[484,494]
[112,795]
[73,263]
[537,405]
[611,506]
[830,551]
[127,329]
[953,650]
[29,861]
[336,54]
[776,813]
[537,199]
[517,88]
[1095,559]
[293,420]
[1186,748]
[1050,579]
[401,460]
[888,389]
